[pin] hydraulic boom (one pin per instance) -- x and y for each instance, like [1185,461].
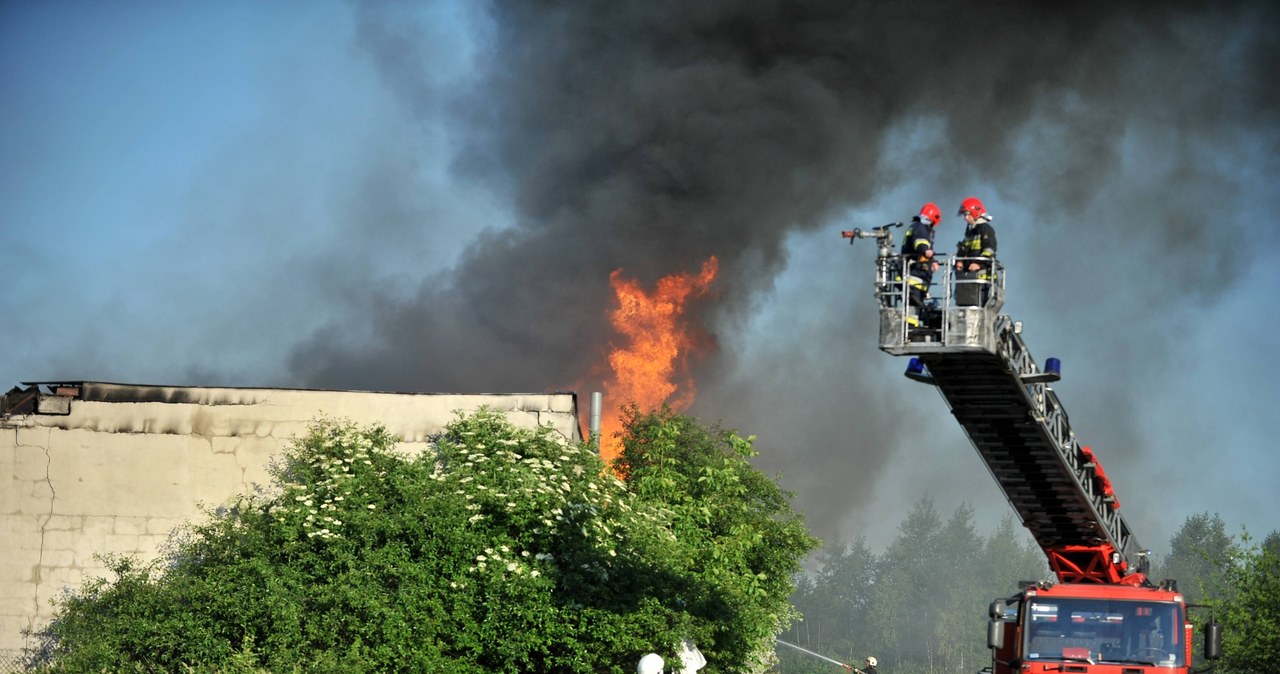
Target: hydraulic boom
[1104,611]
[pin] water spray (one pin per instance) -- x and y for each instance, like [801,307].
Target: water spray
[817,655]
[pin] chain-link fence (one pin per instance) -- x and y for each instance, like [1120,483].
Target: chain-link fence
[13,660]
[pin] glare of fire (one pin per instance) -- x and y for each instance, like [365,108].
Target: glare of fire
[656,346]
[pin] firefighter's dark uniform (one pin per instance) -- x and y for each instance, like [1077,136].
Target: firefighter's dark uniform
[979,242]
[917,267]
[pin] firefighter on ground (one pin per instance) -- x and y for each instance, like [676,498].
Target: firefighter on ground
[868,666]
[974,254]
[917,253]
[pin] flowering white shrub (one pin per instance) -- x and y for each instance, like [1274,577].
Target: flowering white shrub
[496,549]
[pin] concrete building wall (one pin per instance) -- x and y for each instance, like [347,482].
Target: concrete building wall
[93,468]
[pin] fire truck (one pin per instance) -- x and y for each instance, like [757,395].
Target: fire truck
[1103,615]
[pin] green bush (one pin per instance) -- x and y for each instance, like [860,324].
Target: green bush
[1248,605]
[740,542]
[496,550]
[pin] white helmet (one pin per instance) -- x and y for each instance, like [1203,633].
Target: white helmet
[871,660]
[651,664]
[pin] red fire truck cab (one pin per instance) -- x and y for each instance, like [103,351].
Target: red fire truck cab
[1095,628]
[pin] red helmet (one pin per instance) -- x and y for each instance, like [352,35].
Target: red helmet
[972,206]
[932,212]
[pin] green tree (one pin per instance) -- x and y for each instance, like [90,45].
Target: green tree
[958,560]
[1010,556]
[1249,607]
[495,550]
[908,597]
[920,607]
[1272,543]
[835,603]
[741,543]
[1196,553]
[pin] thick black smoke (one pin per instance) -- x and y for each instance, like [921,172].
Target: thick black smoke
[649,136]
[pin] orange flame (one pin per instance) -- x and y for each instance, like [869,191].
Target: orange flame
[656,350]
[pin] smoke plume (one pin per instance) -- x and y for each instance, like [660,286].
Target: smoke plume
[1113,142]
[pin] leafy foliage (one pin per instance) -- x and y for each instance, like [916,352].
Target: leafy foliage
[741,541]
[1196,552]
[1239,580]
[1250,608]
[496,550]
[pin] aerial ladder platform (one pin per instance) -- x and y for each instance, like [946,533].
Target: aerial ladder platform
[1003,400]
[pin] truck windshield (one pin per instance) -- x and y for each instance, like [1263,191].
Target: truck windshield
[1103,630]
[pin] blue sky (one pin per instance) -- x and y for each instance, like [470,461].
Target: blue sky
[274,194]
[175,178]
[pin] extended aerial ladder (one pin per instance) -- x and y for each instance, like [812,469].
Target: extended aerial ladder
[1103,616]
[1002,399]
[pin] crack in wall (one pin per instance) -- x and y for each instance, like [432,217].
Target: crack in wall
[53,496]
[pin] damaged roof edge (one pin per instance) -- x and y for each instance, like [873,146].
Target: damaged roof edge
[53,397]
